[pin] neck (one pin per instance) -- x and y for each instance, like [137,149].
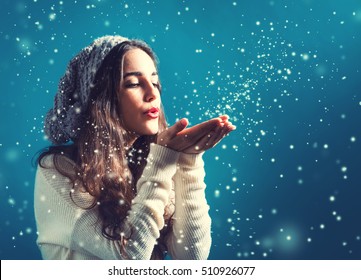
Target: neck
[131,138]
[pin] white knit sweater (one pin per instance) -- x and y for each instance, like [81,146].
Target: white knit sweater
[66,231]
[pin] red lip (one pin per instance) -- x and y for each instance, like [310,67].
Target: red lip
[152,113]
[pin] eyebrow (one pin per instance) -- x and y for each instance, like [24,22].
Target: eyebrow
[138,74]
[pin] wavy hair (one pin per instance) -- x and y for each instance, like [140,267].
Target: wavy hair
[107,167]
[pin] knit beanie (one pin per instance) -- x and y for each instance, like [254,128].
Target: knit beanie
[63,121]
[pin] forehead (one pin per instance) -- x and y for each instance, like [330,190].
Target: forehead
[138,60]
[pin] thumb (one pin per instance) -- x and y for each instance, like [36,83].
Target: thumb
[177,127]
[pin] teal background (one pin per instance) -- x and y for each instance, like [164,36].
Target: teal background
[285,184]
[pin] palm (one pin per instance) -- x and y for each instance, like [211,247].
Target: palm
[195,139]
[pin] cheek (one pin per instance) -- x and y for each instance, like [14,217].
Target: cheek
[130,108]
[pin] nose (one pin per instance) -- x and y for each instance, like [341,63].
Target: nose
[151,93]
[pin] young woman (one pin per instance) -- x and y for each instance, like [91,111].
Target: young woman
[117,183]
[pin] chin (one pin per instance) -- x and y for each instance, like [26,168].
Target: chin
[150,131]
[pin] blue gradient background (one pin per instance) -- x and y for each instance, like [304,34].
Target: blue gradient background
[285,184]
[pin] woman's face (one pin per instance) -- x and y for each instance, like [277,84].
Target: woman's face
[139,93]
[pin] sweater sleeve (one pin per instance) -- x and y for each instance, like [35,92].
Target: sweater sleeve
[145,219]
[63,225]
[191,236]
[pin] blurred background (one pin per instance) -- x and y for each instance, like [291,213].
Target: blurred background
[285,184]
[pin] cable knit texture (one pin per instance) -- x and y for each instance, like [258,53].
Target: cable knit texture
[67,231]
[63,121]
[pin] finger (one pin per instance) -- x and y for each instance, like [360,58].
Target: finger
[187,139]
[218,137]
[211,139]
[226,122]
[230,126]
[224,118]
[167,135]
[177,127]
[203,143]
[196,132]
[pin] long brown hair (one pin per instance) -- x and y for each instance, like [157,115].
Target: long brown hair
[107,167]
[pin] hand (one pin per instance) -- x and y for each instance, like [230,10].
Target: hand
[212,138]
[195,139]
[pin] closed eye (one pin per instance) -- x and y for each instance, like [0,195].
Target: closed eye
[132,85]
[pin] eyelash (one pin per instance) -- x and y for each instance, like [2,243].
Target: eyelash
[133,85]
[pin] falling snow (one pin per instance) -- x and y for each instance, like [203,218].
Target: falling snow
[284,184]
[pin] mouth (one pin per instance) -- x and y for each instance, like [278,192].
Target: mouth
[153,113]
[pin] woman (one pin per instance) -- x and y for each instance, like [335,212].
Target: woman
[119,184]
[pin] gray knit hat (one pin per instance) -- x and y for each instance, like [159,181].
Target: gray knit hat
[62,122]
